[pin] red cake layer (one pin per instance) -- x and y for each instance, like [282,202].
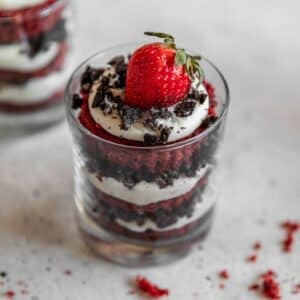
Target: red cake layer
[7,107]
[54,65]
[15,25]
[154,161]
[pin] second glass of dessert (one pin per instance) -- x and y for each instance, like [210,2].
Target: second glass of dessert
[146,122]
[35,61]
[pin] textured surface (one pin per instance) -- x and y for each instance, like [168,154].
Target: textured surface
[256,45]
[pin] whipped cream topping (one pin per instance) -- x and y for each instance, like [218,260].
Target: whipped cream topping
[12,57]
[19,4]
[144,193]
[36,90]
[201,208]
[181,126]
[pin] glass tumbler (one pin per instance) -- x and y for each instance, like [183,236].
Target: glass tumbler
[35,62]
[145,205]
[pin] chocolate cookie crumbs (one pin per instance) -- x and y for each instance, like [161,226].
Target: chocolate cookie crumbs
[166,179]
[99,97]
[150,140]
[185,108]
[198,96]
[129,115]
[152,116]
[76,101]
[208,122]
[164,134]
[120,59]
[90,75]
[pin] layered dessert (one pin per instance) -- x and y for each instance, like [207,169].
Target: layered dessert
[143,160]
[34,53]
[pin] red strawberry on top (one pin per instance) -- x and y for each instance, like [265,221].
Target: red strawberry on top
[159,74]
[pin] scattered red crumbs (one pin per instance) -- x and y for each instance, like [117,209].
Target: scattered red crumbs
[224,274]
[267,286]
[291,228]
[222,286]
[270,287]
[131,292]
[252,258]
[257,246]
[296,289]
[10,294]
[149,288]
[254,287]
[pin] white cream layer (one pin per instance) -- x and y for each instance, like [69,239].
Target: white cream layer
[183,126]
[200,209]
[37,89]
[145,193]
[13,58]
[18,4]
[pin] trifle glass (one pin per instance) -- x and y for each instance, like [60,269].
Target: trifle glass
[35,61]
[142,203]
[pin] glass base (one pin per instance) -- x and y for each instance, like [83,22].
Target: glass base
[14,124]
[132,252]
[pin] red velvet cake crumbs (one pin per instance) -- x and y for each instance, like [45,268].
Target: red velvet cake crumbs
[267,286]
[222,286]
[252,258]
[296,289]
[10,294]
[291,228]
[257,246]
[270,287]
[254,287]
[149,288]
[224,274]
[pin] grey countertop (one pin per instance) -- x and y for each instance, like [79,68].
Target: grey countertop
[257,46]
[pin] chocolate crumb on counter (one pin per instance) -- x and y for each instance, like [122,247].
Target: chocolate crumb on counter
[120,59]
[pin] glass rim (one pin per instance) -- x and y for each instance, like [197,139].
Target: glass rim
[173,145]
[41,11]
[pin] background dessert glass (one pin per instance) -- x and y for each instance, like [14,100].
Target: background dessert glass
[35,63]
[145,205]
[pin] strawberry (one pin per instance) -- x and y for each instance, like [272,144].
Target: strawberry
[159,75]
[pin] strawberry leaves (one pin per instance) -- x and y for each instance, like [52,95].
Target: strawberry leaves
[191,63]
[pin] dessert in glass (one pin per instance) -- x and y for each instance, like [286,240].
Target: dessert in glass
[146,122]
[35,61]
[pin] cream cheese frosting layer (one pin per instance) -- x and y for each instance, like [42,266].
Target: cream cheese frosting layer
[181,126]
[144,193]
[200,209]
[13,58]
[36,90]
[19,4]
